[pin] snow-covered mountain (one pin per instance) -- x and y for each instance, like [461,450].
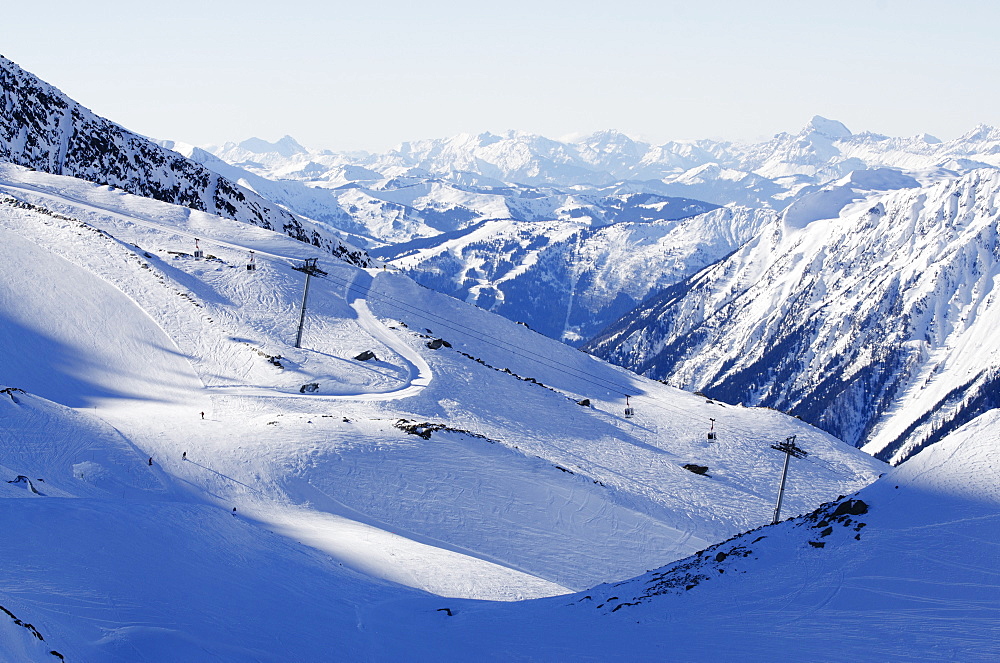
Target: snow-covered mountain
[383,212]
[456,461]
[570,280]
[867,308]
[540,230]
[183,482]
[564,261]
[771,173]
[42,128]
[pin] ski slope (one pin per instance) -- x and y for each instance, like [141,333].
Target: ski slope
[505,488]
[911,578]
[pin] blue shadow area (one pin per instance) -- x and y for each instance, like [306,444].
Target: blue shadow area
[43,365]
[63,372]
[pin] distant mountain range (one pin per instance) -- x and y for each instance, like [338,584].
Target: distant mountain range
[770,173]
[568,236]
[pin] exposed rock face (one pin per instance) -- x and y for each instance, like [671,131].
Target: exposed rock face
[42,128]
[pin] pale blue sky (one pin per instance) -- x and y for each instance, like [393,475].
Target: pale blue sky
[368,75]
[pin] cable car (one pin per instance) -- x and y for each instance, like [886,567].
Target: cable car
[198,253]
[711,431]
[251,265]
[629,411]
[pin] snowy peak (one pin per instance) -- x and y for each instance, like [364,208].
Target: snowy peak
[612,140]
[928,138]
[831,129]
[771,173]
[612,151]
[515,156]
[814,152]
[982,133]
[286,146]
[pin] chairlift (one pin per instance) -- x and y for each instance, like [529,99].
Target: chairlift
[198,253]
[251,265]
[711,431]
[629,411]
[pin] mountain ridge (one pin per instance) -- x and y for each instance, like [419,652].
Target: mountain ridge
[822,150]
[44,129]
[866,312]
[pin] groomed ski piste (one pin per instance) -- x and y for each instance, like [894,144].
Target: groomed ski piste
[905,570]
[369,496]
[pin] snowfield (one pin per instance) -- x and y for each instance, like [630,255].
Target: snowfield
[906,570]
[455,463]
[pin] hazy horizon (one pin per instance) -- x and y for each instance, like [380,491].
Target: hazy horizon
[344,77]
